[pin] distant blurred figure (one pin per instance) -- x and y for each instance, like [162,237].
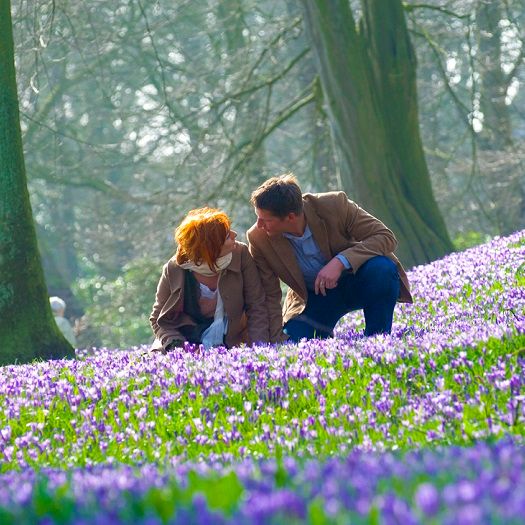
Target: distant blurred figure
[59,307]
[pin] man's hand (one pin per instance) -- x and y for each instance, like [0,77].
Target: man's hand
[328,276]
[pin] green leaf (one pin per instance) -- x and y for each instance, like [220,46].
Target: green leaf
[316,513]
[520,276]
[164,501]
[221,493]
[58,505]
[7,518]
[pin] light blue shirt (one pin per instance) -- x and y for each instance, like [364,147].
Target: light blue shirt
[309,256]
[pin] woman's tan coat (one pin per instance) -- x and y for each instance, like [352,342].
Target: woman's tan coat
[241,292]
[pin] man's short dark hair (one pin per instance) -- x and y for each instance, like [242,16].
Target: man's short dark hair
[279,195]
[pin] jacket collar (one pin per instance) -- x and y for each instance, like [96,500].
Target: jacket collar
[235,265]
[284,250]
[318,229]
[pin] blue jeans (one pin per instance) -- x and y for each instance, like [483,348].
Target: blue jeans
[374,288]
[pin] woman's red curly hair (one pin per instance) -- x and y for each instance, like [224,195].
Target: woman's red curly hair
[201,235]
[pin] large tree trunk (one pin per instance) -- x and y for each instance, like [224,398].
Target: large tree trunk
[368,75]
[27,328]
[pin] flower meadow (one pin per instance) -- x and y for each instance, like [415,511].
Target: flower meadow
[426,425]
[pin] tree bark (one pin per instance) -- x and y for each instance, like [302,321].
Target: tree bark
[497,129]
[27,327]
[504,181]
[368,75]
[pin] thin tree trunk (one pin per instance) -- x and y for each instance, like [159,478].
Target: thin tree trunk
[27,328]
[368,77]
[250,170]
[503,176]
[496,134]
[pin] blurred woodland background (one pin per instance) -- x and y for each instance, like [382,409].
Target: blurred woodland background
[135,111]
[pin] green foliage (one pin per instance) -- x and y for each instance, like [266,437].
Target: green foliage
[346,396]
[222,493]
[6,517]
[520,276]
[59,506]
[316,514]
[469,239]
[118,310]
[162,500]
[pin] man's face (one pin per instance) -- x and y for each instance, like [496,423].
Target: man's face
[272,224]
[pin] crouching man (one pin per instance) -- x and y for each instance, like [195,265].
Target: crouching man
[333,255]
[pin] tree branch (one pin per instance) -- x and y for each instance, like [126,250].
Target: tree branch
[413,7]
[248,148]
[463,110]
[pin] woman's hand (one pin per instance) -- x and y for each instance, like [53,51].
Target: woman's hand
[175,343]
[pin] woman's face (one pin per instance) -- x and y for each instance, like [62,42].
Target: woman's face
[229,243]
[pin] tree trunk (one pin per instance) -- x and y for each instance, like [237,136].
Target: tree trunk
[503,173]
[27,327]
[250,163]
[324,170]
[496,134]
[368,75]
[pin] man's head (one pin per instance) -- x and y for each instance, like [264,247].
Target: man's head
[278,204]
[58,306]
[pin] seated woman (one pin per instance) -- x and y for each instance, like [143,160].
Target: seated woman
[210,292]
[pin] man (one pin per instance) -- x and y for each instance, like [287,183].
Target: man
[58,306]
[333,255]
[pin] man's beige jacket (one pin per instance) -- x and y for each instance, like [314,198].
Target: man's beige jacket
[338,225]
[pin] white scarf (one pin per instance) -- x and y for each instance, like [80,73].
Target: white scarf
[204,268]
[214,334]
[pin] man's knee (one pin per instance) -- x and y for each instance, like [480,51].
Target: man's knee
[380,267]
[381,274]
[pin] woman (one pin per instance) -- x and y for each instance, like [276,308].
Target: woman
[210,292]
